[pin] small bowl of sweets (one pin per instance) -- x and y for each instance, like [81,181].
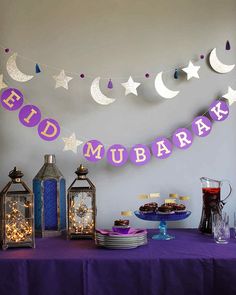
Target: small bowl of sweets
[121,226]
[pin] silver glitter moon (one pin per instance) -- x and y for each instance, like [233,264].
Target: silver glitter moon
[14,72]
[97,94]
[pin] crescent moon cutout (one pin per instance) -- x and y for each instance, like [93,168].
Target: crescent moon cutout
[217,65]
[14,72]
[162,90]
[97,94]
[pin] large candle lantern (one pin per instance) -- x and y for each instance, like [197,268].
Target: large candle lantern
[81,206]
[50,199]
[16,213]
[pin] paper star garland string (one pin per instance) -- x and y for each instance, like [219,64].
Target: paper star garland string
[71,143]
[62,80]
[230,95]
[130,86]
[191,70]
[2,84]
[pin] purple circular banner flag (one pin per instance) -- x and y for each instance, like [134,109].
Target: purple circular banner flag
[117,155]
[182,138]
[139,154]
[201,126]
[93,150]
[12,99]
[30,115]
[219,110]
[161,148]
[48,129]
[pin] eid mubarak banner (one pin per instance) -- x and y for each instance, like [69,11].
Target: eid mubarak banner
[117,154]
[161,147]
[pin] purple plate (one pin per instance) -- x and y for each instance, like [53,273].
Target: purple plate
[121,229]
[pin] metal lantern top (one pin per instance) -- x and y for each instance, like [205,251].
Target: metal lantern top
[81,173]
[49,169]
[16,178]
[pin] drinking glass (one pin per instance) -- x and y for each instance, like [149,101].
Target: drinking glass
[221,228]
[234,224]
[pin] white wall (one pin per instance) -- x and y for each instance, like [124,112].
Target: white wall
[122,38]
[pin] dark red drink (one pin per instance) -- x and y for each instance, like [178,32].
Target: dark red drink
[211,204]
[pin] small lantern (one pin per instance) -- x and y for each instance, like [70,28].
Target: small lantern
[81,206]
[49,188]
[16,213]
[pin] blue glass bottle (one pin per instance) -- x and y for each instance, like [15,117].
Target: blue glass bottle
[49,188]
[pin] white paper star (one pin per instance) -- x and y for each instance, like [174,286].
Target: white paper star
[62,80]
[191,70]
[230,96]
[2,84]
[130,86]
[71,143]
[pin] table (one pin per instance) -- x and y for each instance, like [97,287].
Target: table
[191,264]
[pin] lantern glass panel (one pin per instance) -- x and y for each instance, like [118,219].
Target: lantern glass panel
[81,219]
[16,213]
[18,218]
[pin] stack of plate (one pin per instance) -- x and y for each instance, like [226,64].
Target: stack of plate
[113,240]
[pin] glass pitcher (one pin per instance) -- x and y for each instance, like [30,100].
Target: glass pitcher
[212,203]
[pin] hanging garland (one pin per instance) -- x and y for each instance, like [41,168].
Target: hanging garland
[62,79]
[117,155]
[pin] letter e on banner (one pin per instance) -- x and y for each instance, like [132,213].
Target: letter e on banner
[12,99]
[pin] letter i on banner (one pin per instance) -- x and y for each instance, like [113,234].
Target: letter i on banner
[139,154]
[30,115]
[93,150]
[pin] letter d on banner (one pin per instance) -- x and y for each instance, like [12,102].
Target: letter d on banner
[48,129]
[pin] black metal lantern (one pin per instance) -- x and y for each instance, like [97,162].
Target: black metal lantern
[81,206]
[16,213]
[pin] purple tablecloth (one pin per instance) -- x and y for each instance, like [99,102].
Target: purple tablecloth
[191,264]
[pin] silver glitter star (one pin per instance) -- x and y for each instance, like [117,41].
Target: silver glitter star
[62,80]
[71,143]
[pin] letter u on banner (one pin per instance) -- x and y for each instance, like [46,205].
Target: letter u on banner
[117,155]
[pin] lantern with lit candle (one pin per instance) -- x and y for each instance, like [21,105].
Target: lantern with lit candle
[81,206]
[16,213]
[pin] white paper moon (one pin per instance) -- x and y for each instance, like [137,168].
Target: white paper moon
[14,72]
[217,65]
[162,90]
[97,95]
